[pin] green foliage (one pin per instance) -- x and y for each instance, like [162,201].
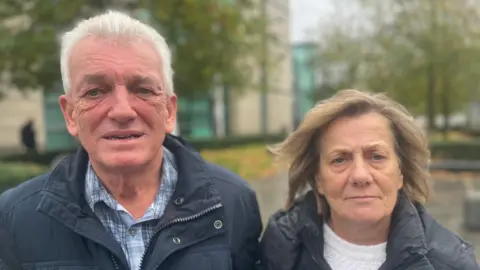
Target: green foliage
[198,144]
[210,39]
[239,141]
[12,174]
[456,150]
[36,158]
[225,152]
[415,50]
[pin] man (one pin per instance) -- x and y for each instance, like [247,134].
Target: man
[133,196]
[27,136]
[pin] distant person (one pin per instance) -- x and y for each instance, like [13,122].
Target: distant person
[365,161]
[133,196]
[28,136]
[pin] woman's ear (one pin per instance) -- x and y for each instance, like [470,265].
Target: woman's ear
[401,182]
[318,184]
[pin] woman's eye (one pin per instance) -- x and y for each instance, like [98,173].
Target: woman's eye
[339,160]
[377,157]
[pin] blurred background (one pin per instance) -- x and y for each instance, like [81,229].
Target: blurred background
[246,72]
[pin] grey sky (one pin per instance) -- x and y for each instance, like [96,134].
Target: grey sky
[305,16]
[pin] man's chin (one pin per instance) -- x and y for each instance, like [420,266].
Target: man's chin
[125,161]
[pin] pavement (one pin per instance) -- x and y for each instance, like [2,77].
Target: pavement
[446,205]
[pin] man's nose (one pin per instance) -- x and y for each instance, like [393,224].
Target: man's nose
[360,174]
[121,110]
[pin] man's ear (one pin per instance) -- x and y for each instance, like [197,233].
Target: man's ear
[67,109]
[171,119]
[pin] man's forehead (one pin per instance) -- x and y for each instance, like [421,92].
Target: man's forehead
[129,78]
[92,52]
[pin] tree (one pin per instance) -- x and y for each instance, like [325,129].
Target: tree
[424,53]
[208,38]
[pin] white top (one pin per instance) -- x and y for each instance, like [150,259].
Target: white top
[342,255]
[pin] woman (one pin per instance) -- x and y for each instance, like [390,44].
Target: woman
[365,161]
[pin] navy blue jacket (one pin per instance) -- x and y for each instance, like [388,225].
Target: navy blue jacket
[45,223]
[293,240]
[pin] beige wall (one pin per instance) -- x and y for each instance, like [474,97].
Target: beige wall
[245,110]
[245,114]
[15,109]
[280,98]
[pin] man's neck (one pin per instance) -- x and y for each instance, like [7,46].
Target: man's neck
[134,189]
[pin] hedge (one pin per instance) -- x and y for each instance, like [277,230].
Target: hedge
[15,169]
[12,174]
[227,142]
[199,144]
[459,150]
[465,150]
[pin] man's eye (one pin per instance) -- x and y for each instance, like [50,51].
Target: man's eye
[143,91]
[377,157]
[93,92]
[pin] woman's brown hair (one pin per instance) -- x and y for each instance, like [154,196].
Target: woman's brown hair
[301,149]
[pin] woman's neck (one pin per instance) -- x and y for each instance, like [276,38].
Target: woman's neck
[361,233]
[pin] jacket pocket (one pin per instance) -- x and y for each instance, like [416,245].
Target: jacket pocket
[60,265]
[213,259]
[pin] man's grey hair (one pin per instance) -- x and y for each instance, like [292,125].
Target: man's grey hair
[115,25]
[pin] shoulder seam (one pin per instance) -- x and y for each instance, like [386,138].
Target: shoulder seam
[245,186]
[10,209]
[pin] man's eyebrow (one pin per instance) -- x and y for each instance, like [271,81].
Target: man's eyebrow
[93,79]
[139,79]
[145,80]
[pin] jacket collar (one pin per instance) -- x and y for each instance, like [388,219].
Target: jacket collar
[67,180]
[406,238]
[63,196]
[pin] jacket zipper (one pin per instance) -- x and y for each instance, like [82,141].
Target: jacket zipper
[322,263]
[176,221]
[115,264]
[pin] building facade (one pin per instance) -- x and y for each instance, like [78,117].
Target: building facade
[235,114]
[16,109]
[277,104]
[305,79]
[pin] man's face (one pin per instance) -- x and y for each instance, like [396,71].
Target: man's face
[118,106]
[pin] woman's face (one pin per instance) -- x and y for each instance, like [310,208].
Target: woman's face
[359,172]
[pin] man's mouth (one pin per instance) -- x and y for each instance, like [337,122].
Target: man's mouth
[123,137]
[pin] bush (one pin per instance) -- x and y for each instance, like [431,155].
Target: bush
[250,161]
[228,142]
[199,144]
[12,174]
[459,150]
[38,158]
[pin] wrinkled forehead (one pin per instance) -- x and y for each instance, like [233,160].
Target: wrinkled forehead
[132,78]
[364,130]
[97,60]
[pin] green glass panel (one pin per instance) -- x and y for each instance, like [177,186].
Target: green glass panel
[57,136]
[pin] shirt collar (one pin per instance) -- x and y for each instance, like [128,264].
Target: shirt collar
[96,192]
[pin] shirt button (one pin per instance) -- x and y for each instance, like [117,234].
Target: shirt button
[132,232]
